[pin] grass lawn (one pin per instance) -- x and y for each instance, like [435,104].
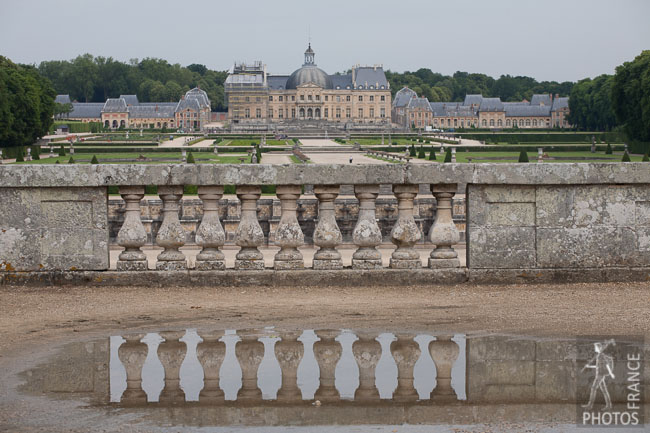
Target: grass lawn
[240,142]
[200,157]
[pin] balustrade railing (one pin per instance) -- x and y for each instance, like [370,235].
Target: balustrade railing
[247,349]
[288,235]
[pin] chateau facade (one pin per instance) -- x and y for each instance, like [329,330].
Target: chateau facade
[308,94]
[543,111]
[192,112]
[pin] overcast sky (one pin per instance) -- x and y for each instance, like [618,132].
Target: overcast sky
[546,39]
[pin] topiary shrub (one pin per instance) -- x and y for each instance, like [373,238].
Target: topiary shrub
[432,155]
[412,151]
[19,157]
[62,151]
[71,160]
[421,154]
[94,160]
[608,149]
[190,158]
[448,155]
[258,153]
[646,158]
[626,157]
[523,156]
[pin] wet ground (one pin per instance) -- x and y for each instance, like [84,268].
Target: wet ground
[461,358]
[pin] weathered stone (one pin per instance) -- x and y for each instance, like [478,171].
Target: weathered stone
[211,353]
[210,234]
[133,353]
[132,234]
[249,234]
[405,231]
[366,234]
[171,353]
[249,352]
[171,235]
[502,247]
[367,352]
[443,232]
[444,352]
[327,234]
[288,352]
[327,352]
[406,352]
[288,234]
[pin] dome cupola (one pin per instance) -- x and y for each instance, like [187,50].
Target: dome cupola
[309,73]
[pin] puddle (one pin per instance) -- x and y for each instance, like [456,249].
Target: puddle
[335,377]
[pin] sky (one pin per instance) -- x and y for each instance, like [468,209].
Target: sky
[561,40]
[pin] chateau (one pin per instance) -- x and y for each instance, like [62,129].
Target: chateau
[308,94]
[542,111]
[192,112]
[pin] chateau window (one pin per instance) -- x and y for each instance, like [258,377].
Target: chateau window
[302,97]
[293,97]
[534,122]
[258,113]
[338,99]
[455,122]
[280,113]
[347,98]
[360,112]
[338,113]
[327,98]
[382,112]
[309,97]
[372,112]
[382,98]
[484,122]
[419,114]
[499,122]
[280,98]
[348,113]
[491,122]
[248,113]
[360,98]
[507,122]
[258,99]
[270,98]
[514,122]
[293,113]
[326,113]
[527,122]
[248,99]
[318,97]
[372,98]
[270,113]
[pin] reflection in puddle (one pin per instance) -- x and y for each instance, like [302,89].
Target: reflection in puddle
[318,377]
[351,367]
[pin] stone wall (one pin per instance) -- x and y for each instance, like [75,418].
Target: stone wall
[559,226]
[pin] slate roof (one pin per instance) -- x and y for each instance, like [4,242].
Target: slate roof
[453,109]
[491,104]
[519,110]
[277,82]
[403,96]
[62,99]
[473,99]
[245,79]
[366,76]
[186,103]
[130,99]
[86,110]
[543,99]
[200,96]
[115,105]
[341,81]
[152,111]
[559,103]
[419,103]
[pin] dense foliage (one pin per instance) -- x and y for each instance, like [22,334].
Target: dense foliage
[631,97]
[94,79]
[439,88]
[26,104]
[590,104]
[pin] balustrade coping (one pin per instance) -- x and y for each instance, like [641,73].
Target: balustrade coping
[40,175]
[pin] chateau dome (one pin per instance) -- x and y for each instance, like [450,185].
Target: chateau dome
[309,73]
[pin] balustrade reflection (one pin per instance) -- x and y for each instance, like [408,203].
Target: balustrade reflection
[246,348]
[288,235]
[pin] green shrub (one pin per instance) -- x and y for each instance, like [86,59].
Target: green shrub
[19,157]
[412,151]
[36,152]
[190,158]
[94,160]
[62,151]
[190,189]
[71,160]
[646,158]
[608,151]
[432,155]
[523,156]
[258,153]
[626,157]
[57,162]
[421,154]
[448,155]
[151,189]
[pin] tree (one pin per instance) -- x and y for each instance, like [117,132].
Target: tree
[448,155]
[646,157]
[36,153]
[421,154]
[94,160]
[523,156]
[631,97]
[590,104]
[258,154]
[412,150]
[626,157]
[432,155]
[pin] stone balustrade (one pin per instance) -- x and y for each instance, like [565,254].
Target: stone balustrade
[546,221]
[247,349]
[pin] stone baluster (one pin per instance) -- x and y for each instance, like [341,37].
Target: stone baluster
[405,232]
[210,234]
[444,352]
[327,352]
[249,234]
[443,233]
[367,352]
[171,353]
[210,353]
[406,353]
[249,352]
[133,353]
[327,234]
[289,352]
[171,235]
[132,234]
[288,234]
[366,234]
[453,154]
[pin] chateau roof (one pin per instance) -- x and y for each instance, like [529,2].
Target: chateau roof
[491,104]
[542,99]
[520,110]
[559,103]
[277,82]
[62,99]
[473,99]
[86,110]
[152,111]
[341,81]
[130,99]
[419,103]
[366,77]
[403,96]
[115,105]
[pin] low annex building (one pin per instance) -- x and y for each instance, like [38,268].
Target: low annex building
[542,111]
[192,112]
[309,94]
